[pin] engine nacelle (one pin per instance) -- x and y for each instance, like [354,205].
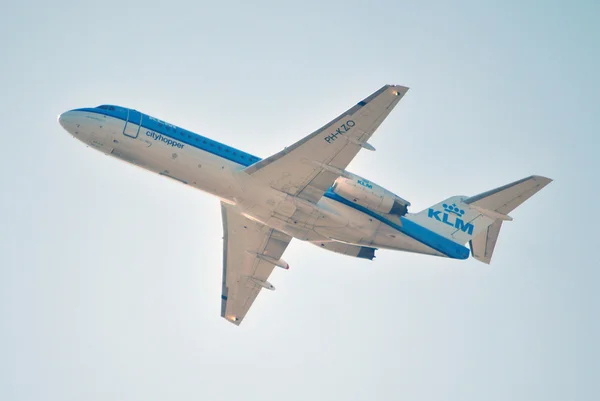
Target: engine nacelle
[370,195]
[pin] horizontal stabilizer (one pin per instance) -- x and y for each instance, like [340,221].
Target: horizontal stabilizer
[492,214]
[483,244]
[505,199]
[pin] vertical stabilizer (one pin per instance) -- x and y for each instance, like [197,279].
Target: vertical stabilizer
[478,219]
[453,219]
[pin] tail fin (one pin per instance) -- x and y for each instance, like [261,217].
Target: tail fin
[478,219]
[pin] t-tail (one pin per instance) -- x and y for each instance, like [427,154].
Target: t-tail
[478,219]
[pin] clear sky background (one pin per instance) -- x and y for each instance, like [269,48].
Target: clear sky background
[110,276]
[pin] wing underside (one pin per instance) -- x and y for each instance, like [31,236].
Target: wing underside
[310,166]
[250,251]
[306,170]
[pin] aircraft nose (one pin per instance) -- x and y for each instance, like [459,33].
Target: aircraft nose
[61,119]
[66,120]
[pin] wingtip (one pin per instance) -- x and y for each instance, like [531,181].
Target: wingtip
[543,180]
[232,319]
[399,89]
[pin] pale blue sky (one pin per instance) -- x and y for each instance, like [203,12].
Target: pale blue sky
[110,276]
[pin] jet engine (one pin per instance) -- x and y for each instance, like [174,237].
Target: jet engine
[370,195]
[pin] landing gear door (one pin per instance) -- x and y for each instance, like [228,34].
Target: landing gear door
[132,126]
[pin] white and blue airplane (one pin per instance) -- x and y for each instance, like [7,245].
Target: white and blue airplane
[302,192]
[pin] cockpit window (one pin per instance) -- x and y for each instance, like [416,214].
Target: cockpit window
[106,107]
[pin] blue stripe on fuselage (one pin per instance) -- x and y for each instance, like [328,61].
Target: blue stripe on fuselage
[409,228]
[181,135]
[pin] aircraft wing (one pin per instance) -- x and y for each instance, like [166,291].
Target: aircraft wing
[310,166]
[250,251]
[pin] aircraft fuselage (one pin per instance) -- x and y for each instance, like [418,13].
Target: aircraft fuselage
[218,169]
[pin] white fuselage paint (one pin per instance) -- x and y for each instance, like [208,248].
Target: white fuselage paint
[328,220]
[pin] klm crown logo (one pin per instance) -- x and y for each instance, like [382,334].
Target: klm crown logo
[453,209]
[452,216]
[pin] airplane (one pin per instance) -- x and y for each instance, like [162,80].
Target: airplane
[304,191]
